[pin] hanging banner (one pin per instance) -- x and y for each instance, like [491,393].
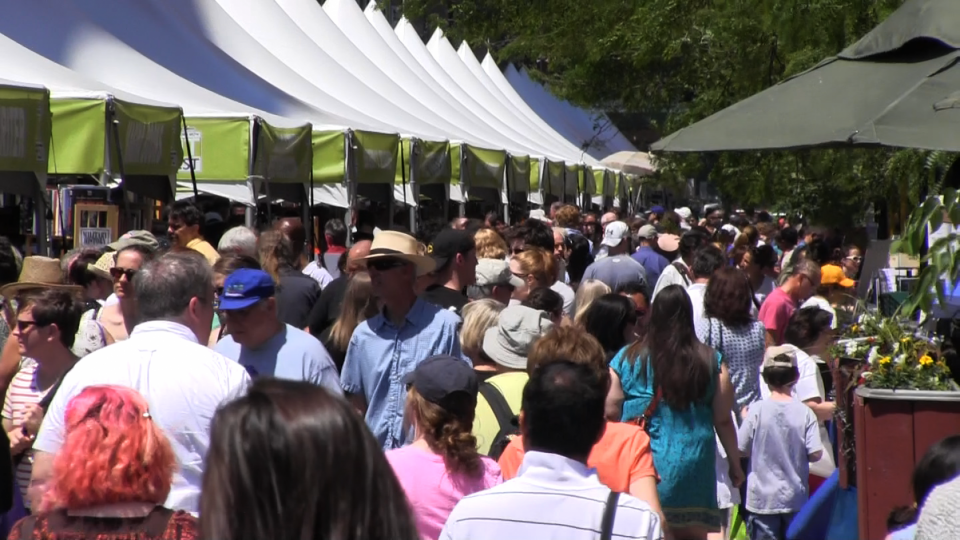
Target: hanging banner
[376,156]
[329,157]
[220,148]
[24,128]
[518,174]
[150,139]
[78,136]
[433,162]
[284,155]
[485,167]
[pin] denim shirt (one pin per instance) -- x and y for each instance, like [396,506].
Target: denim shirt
[380,355]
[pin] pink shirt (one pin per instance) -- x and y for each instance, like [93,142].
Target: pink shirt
[776,311]
[431,490]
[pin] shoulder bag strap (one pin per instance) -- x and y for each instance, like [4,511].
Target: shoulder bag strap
[501,409]
[684,273]
[609,514]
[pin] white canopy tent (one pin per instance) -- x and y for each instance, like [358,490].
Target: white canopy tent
[594,131]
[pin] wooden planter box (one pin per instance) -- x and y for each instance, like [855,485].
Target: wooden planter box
[894,428]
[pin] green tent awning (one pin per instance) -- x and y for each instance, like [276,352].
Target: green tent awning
[898,86]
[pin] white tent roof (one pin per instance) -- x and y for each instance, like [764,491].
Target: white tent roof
[580,126]
[535,126]
[18,84]
[141,49]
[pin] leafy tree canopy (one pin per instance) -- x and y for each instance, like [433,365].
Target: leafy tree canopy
[678,61]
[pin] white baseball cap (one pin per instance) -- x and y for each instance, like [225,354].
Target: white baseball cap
[614,233]
[684,212]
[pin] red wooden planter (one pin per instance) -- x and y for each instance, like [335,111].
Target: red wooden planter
[893,431]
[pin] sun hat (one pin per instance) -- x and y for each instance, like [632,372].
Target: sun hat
[398,245]
[540,215]
[780,356]
[509,341]
[102,267]
[245,287]
[442,375]
[134,238]
[491,272]
[831,274]
[614,233]
[38,273]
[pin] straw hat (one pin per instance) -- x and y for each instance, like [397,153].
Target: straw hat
[38,273]
[102,267]
[397,245]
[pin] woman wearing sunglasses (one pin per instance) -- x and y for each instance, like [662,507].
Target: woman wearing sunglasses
[120,318]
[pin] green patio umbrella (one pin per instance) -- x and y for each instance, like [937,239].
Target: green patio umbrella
[897,86]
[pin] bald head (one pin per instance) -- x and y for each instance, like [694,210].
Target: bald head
[292,228]
[359,250]
[607,219]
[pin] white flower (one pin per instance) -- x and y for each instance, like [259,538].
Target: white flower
[872,355]
[850,348]
[900,358]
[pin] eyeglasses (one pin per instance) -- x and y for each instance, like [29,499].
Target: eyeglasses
[116,273]
[23,326]
[516,251]
[385,264]
[854,258]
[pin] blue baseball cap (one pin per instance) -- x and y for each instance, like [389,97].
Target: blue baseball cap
[245,287]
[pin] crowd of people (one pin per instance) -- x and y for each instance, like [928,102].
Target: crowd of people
[573,376]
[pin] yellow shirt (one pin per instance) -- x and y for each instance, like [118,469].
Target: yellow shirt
[485,426]
[204,248]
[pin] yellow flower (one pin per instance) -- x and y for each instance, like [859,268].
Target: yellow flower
[854,328]
[925,360]
[905,340]
[885,360]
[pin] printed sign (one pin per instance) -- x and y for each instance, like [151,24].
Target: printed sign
[196,151]
[13,132]
[95,236]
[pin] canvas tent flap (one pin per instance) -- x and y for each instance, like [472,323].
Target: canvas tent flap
[931,19]
[79,136]
[329,161]
[25,125]
[433,162]
[518,174]
[149,139]
[220,148]
[331,195]
[284,155]
[484,167]
[233,190]
[375,157]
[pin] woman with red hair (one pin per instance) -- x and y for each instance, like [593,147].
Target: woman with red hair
[111,476]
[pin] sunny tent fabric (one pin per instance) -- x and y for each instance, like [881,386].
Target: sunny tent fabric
[594,131]
[24,128]
[83,44]
[897,86]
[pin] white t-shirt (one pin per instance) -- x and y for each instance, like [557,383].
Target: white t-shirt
[671,276]
[569,297]
[697,292]
[183,381]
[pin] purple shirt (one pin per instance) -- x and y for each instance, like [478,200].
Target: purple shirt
[652,262]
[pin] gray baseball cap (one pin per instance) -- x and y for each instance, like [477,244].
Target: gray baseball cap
[496,272]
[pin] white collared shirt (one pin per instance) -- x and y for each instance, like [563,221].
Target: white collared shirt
[184,383]
[552,498]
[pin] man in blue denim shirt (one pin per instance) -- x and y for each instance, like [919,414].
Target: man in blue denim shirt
[388,346]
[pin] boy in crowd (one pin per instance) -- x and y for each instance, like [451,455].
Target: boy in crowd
[782,438]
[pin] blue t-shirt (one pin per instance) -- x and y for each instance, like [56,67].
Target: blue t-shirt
[292,354]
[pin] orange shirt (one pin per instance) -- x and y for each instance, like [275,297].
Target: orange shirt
[621,457]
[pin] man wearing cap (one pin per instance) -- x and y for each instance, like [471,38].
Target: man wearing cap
[617,268]
[494,280]
[678,272]
[651,260]
[261,342]
[384,348]
[834,285]
[183,226]
[600,250]
[456,256]
[686,216]
[506,346]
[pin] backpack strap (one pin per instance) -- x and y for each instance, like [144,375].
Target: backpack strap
[609,514]
[501,409]
[684,273]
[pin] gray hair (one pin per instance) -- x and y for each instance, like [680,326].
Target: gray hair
[239,240]
[165,286]
[479,292]
[807,268]
[336,229]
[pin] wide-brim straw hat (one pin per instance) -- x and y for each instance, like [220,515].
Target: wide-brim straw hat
[397,245]
[102,267]
[38,273]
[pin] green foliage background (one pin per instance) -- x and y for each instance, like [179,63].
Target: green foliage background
[677,61]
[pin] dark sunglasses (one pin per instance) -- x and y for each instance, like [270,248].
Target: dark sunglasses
[384,264]
[22,326]
[516,251]
[640,313]
[117,273]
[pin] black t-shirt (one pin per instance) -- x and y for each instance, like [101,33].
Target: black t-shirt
[327,308]
[450,299]
[296,296]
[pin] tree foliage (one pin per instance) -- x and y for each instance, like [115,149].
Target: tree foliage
[678,61]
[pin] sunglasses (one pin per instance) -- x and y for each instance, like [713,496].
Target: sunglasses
[516,251]
[385,264]
[23,326]
[116,273]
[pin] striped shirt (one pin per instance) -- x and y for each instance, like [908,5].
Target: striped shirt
[22,393]
[552,498]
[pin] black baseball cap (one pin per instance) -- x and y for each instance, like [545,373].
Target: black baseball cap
[440,376]
[448,244]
